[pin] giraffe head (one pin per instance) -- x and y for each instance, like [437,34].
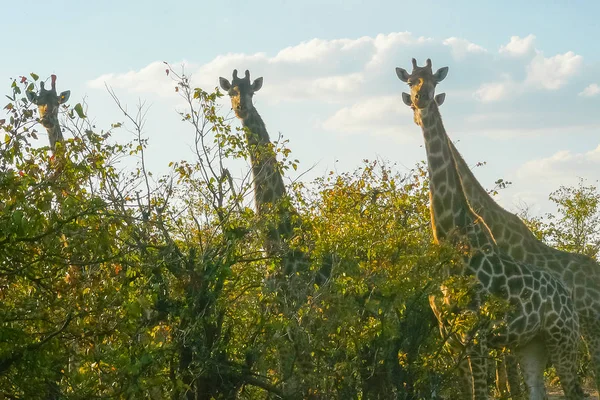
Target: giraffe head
[48,102]
[241,92]
[422,82]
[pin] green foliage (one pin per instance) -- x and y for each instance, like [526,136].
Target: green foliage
[576,225]
[79,110]
[57,251]
[371,322]
[117,285]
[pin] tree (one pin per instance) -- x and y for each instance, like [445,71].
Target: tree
[576,228]
[119,284]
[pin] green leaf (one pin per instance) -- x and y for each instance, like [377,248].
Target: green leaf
[17,218]
[34,76]
[79,110]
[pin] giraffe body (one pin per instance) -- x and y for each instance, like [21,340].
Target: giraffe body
[542,320]
[579,273]
[48,103]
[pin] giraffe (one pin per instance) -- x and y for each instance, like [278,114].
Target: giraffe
[272,204]
[48,102]
[579,273]
[541,321]
[270,194]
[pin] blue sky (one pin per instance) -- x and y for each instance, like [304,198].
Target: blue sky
[521,92]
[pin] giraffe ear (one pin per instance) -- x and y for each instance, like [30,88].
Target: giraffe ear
[406,99]
[257,84]
[31,96]
[402,74]
[64,97]
[440,74]
[439,99]
[224,83]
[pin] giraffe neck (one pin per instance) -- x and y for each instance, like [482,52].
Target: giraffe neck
[52,125]
[268,182]
[450,211]
[257,135]
[508,230]
[269,191]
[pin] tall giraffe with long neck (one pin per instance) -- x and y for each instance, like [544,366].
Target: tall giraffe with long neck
[541,321]
[269,191]
[48,103]
[272,204]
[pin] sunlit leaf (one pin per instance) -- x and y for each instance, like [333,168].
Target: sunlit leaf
[79,110]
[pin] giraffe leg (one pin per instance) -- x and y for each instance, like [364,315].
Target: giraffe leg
[512,375]
[533,358]
[466,378]
[563,354]
[478,358]
[508,380]
[589,330]
[501,381]
[595,357]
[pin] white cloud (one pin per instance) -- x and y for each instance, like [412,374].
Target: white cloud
[562,166]
[461,47]
[377,115]
[338,83]
[495,91]
[590,91]
[490,92]
[552,73]
[323,69]
[313,50]
[150,79]
[549,73]
[519,46]
[387,46]
[535,179]
[330,70]
[329,89]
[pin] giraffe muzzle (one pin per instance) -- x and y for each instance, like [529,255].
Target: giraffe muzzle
[421,102]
